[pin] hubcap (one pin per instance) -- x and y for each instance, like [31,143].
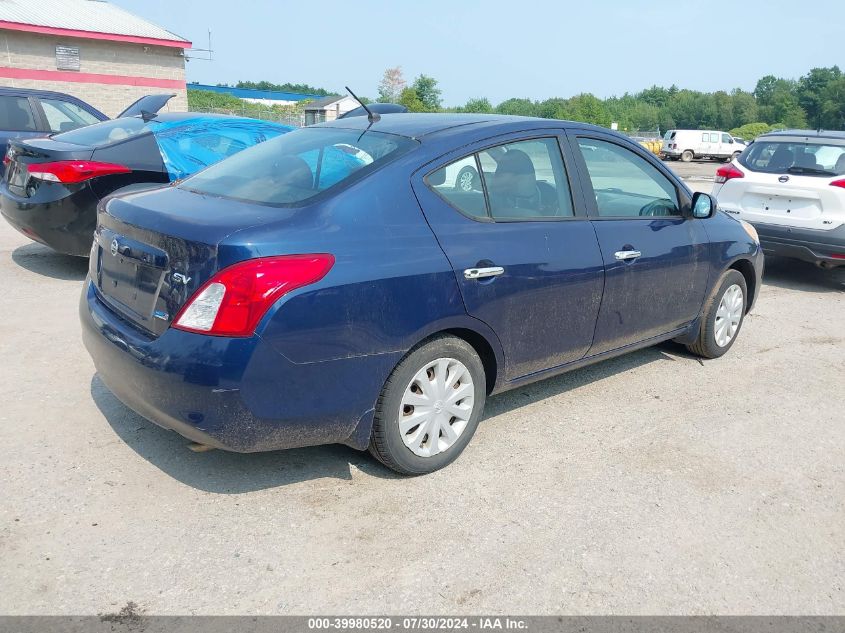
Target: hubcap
[436,407]
[728,315]
[465,181]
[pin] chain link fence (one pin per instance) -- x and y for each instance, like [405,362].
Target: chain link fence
[644,135]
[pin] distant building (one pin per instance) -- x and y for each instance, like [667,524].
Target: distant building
[91,49]
[328,108]
[266,97]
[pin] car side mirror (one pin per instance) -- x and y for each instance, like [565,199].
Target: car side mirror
[703,205]
[731,142]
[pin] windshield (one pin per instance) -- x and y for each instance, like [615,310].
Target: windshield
[295,167]
[793,157]
[104,133]
[670,134]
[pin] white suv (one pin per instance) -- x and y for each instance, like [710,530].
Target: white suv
[791,186]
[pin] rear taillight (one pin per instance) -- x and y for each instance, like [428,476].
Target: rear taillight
[233,301]
[838,183]
[728,172]
[70,171]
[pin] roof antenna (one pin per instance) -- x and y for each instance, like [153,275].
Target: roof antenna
[372,117]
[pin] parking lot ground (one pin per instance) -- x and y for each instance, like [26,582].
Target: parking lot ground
[698,174]
[650,484]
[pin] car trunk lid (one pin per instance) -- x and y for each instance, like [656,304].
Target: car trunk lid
[153,250]
[148,104]
[22,155]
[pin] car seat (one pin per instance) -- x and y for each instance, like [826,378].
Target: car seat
[781,159]
[513,187]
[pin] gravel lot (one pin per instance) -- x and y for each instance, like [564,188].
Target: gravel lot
[650,484]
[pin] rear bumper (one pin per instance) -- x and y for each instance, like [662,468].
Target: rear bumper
[236,394]
[66,225]
[809,245]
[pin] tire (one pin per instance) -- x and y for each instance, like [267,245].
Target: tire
[708,344]
[687,156]
[467,180]
[404,450]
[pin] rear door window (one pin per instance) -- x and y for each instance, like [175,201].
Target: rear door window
[523,180]
[625,184]
[794,157]
[63,116]
[714,138]
[16,115]
[529,181]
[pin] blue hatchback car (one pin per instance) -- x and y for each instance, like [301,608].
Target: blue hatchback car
[335,285]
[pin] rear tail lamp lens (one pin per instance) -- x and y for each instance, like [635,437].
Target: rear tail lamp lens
[838,183]
[233,301]
[70,171]
[728,172]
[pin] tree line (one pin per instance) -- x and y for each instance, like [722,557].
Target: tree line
[815,100]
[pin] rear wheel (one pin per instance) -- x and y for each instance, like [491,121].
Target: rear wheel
[687,156]
[723,316]
[430,407]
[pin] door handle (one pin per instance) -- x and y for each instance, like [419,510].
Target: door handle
[482,273]
[625,255]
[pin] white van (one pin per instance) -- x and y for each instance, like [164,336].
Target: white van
[689,144]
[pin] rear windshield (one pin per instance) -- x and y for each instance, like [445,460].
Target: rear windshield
[295,167]
[792,157]
[104,133]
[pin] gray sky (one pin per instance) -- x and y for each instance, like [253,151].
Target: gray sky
[507,49]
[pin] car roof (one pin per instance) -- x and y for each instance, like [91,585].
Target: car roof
[420,125]
[37,92]
[835,134]
[49,94]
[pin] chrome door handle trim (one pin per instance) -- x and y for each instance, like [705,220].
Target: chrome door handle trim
[623,255]
[482,273]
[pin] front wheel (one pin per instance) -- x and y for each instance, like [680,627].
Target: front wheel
[430,407]
[687,156]
[723,316]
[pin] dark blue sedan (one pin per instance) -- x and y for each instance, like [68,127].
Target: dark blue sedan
[335,285]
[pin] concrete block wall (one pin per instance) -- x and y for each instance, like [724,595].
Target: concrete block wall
[38,52]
